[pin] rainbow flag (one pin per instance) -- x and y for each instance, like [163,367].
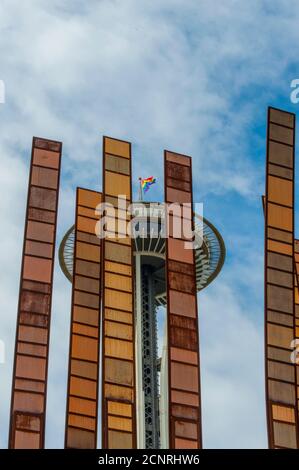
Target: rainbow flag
[147,182]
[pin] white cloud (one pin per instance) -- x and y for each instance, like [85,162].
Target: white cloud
[232,371]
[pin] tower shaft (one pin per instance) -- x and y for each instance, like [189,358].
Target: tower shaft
[149,362]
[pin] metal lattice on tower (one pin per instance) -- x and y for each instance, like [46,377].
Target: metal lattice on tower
[150,357]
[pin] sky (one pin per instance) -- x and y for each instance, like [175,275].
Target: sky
[192,76]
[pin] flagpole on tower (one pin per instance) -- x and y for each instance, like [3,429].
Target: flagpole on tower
[140,189]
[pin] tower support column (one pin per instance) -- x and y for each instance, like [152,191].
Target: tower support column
[150,357]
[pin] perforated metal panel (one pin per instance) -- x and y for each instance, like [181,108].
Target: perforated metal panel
[82,395]
[28,403]
[182,321]
[281,373]
[296,342]
[118,413]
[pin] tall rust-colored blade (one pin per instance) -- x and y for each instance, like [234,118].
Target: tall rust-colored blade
[281,372]
[82,395]
[182,317]
[296,342]
[118,366]
[29,388]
